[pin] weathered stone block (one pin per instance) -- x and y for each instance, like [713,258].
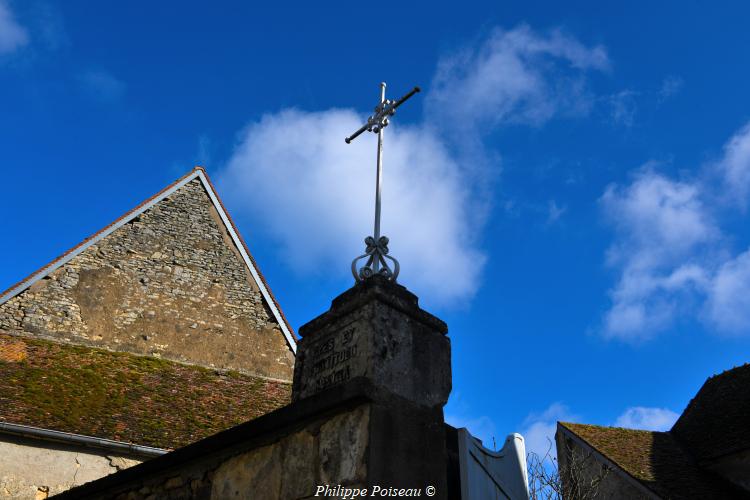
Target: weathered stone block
[343,447]
[376,330]
[255,474]
[28,467]
[298,465]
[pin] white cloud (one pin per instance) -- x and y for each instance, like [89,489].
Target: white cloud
[293,172]
[648,419]
[101,85]
[670,251]
[539,429]
[735,166]
[12,35]
[315,193]
[728,303]
[660,215]
[517,76]
[661,227]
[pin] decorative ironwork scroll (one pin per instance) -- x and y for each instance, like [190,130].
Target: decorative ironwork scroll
[376,251]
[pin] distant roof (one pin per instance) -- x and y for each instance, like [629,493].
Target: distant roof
[199,173]
[656,460]
[124,397]
[717,420]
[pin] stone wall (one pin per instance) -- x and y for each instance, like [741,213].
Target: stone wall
[170,283]
[33,470]
[369,432]
[326,451]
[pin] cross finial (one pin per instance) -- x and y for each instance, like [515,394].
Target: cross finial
[376,251]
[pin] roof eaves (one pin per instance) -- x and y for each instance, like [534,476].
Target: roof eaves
[70,438]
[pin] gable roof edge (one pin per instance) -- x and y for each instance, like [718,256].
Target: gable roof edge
[249,260]
[603,458]
[199,173]
[66,257]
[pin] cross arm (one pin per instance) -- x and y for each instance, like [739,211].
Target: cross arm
[384,110]
[403,99]
[357,133]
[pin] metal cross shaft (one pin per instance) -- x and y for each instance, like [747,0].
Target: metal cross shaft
[377,245]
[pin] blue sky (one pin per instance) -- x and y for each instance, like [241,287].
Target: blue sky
[569,191]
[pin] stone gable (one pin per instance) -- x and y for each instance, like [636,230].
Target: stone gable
[169,283]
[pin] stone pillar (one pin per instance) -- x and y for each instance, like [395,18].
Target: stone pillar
[375,333]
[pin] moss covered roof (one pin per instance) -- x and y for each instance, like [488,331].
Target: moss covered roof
[125,397]
[656,460]
[716,420]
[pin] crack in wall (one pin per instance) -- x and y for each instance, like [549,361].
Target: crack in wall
[78,467]
[116,463]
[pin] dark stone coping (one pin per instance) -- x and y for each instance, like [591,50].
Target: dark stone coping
[375,288]
[263,430]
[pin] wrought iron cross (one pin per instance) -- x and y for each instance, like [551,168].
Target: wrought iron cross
[376,251]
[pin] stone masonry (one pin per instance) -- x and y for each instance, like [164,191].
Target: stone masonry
[170,283]
[65,467]
[367,429]
[376,330]
[283,455]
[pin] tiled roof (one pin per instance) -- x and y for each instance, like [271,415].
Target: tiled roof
[124,397]
[717,419]
[656,460]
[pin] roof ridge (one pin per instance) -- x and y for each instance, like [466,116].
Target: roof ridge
[727,371]
[568,424]
[710,380]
